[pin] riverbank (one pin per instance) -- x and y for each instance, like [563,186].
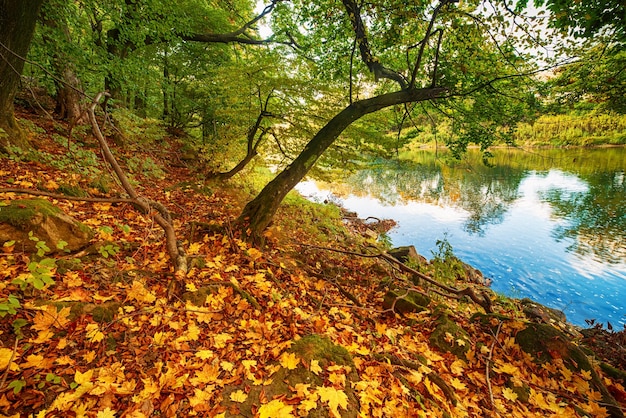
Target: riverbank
[319,322]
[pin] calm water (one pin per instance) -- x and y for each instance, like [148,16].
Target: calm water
[549,225]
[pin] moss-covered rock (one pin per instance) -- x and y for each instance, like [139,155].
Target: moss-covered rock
[47,223]
[545,343]
[449,337]
[404,301]
[283,382]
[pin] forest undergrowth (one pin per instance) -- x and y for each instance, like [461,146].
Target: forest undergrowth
[108,338]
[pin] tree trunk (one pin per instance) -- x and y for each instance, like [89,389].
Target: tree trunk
[17,26]
[68,94]
[67,83]
[258,213]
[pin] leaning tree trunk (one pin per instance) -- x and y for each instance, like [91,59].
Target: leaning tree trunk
[17,26]
[258,213]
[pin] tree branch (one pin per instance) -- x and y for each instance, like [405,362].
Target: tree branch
[354,14]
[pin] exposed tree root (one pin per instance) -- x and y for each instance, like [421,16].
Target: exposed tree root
[452,292]
[434,377]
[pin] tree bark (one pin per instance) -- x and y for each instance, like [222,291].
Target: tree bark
[258,213]
[17,26]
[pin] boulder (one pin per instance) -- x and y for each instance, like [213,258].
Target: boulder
[406,254]
[404,301]
[48,224]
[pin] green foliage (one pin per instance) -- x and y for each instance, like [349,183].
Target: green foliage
[138,130]
[447,267]
[17,385]
[41,246]
[108,250]
[146,166]
[9,306]
[573,129]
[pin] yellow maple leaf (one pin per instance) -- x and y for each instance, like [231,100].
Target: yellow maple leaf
[254,254]
[201,397]
[238,396]
[93,333]
[43,336]
[48,317]
[507,368]
[227,366]
[106,413]
[139,293]
[209,373]
[5,356]
[276,409]
[289,361]
[586,374]
[72,279]
[335,399]
[83,378]
[509,394]
[457,367]
[221,339]
[194,248]
[337,379]
[457,384]
[315,367]
[89,356]
[36,361]
[204,354]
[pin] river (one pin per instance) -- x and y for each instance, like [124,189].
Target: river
[548,224]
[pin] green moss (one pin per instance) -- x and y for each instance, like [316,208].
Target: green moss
[316,347]
[447,335]
[613,372]
[20,211]
[404,301]
[105,312]
[72,190]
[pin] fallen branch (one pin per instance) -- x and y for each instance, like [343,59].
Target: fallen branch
[455,293]
[66,197]
[161,215]
[488,366]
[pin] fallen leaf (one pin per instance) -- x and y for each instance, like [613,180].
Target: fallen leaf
[276,409]
[334,397]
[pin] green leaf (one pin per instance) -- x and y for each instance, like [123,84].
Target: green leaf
[17,385]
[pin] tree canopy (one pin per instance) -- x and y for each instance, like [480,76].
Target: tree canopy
[329,81]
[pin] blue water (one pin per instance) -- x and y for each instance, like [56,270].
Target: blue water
[520,252]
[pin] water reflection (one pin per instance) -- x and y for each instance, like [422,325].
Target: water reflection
[551,226]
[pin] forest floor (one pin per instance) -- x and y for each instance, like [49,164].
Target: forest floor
[108,339]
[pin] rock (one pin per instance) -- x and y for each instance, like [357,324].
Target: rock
[283,382]
[406,301]
[473,275]
[449,337]
[48,224]
[406,254]
[541,314]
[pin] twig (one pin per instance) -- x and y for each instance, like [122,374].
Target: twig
[488,366]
